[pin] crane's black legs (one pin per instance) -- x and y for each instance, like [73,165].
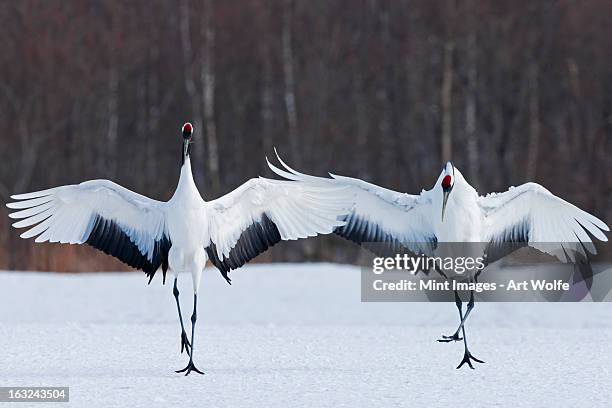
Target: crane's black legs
[455,337]
[185,345]
[194,316]
[470,306]
[467,356]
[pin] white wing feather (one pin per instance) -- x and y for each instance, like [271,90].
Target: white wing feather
[298,211]
[379,211]
[66,214]
[549,223]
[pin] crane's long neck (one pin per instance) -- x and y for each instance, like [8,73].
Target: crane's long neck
[185,151]
[186,185]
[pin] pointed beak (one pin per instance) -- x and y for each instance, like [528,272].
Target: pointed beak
[444,200]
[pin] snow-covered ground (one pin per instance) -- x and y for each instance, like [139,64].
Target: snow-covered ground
[292,335]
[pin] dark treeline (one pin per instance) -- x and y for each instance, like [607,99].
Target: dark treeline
[382,90]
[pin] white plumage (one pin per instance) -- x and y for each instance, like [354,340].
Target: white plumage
[453,212]
[551,224]
[186,231]
[528,213]
[297,211]
[66,214]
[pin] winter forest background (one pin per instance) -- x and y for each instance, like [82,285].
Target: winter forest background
[383,90]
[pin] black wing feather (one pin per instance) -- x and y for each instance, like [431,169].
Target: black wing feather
[107,236]
[512,239]
[254,240]
[371,236]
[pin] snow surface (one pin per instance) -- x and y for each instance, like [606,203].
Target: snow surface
[288,335]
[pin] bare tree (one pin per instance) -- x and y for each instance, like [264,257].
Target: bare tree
[153,108]
[362,120]
[109,161]
[447,100]
[267,93]
[288,70]
[470,110]
[534,121]
[388,145]
[208,90]
[190,85]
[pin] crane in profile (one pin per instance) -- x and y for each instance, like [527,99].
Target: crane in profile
[453,212]
[186,231]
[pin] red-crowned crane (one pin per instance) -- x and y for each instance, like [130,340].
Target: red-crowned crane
[186,231]
[453,212]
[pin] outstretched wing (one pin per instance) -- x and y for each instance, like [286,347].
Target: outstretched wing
[385,221]
[262,212]
[529,215]
[100,213]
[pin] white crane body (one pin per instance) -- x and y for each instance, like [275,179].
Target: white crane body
[186,231]
[187,224]
[440,221]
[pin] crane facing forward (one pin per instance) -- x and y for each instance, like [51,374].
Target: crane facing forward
[186,231]
[453,212]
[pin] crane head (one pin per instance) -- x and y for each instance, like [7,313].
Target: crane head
[187,131]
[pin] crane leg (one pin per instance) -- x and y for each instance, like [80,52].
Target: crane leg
[185,345]
[194,316]
[455,337]
[470,306]
[467,356]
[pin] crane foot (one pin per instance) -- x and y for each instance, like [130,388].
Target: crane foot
[190,367]
[448,339]
[467,357]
